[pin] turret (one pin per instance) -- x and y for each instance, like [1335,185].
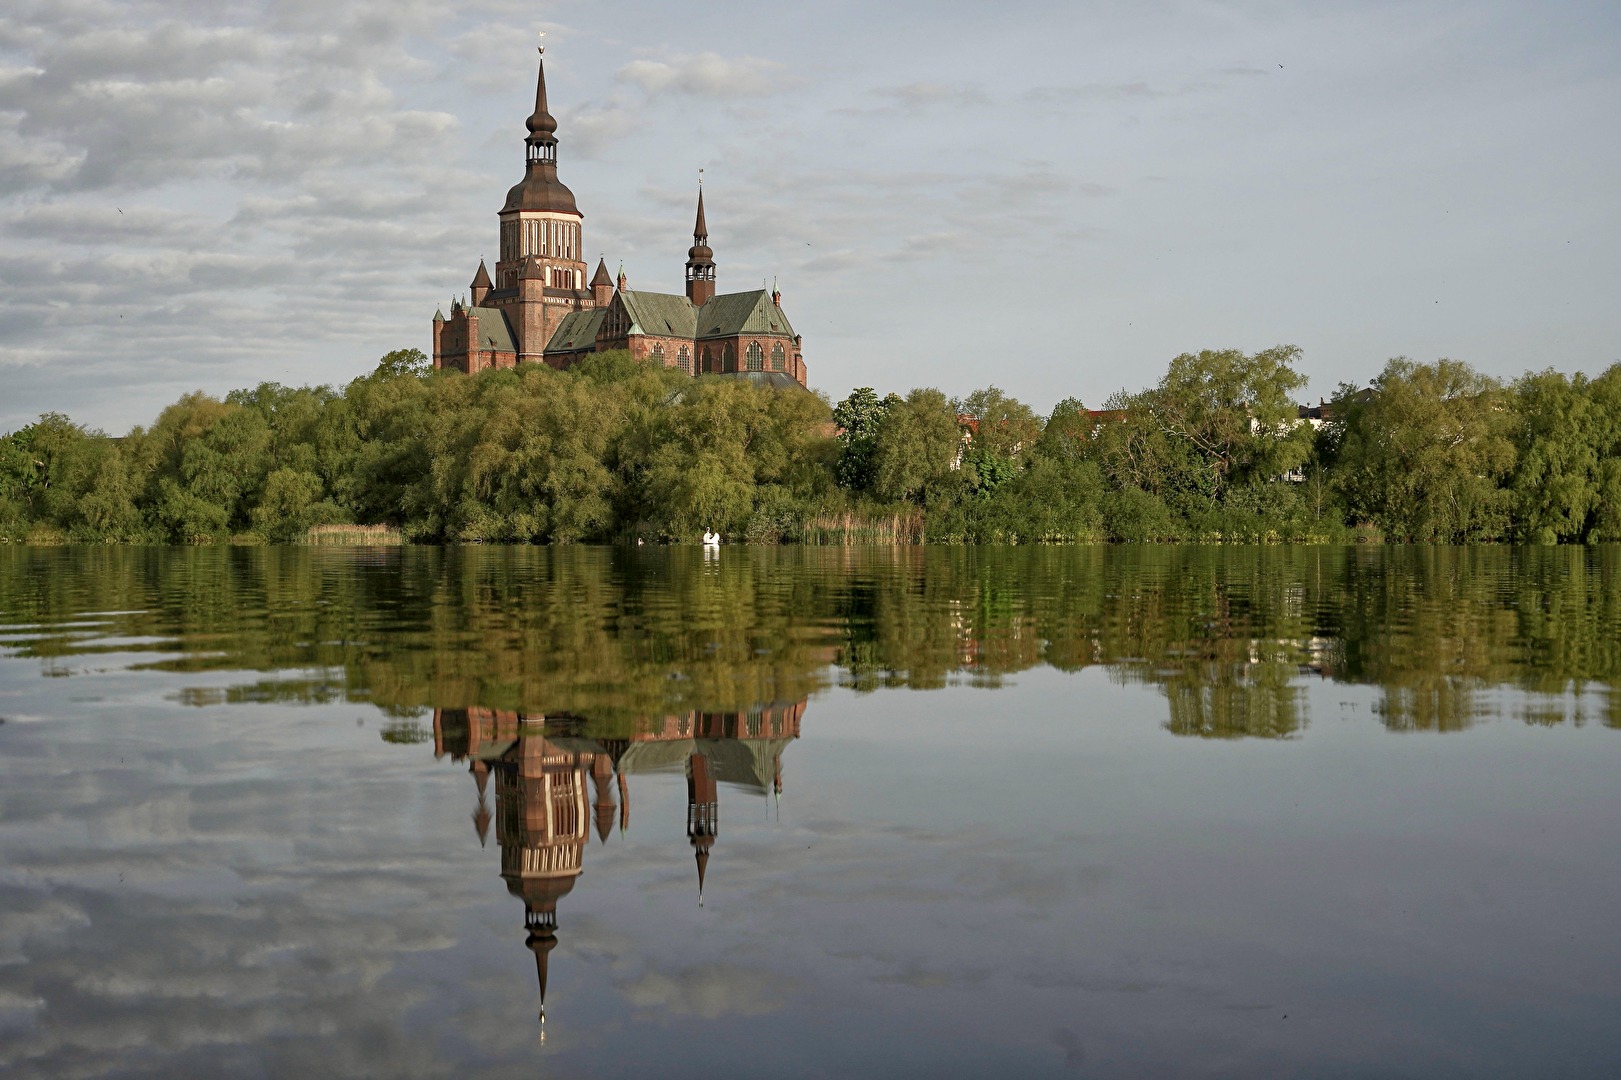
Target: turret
[481,285]
[602,286]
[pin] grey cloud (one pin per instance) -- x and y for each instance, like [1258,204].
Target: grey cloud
[1091,92]
[590,130]
[706,74]
[76,223]
[918,95]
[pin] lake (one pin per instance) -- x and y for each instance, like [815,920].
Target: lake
[828,812]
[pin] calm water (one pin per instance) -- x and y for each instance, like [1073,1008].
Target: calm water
[1092,812]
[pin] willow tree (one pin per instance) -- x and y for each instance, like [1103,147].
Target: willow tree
[1236,412]
[1424,456]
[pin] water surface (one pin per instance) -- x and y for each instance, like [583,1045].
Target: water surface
[831,812]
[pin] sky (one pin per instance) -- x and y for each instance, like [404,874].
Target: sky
[1052,197]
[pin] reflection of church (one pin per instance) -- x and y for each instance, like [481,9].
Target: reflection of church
[543,809]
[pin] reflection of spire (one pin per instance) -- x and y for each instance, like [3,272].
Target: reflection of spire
[541,825]
[542,926]
[481,816]
[601,773]
[624,803]
[703,814]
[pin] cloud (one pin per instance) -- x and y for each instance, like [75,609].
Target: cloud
[707,75]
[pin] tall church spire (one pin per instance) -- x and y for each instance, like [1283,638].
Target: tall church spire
[700,259]
[542,125]
[541,190]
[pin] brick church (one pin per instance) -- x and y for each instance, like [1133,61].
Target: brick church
[540,308]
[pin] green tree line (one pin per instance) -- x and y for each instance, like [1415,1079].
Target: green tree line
[611,449]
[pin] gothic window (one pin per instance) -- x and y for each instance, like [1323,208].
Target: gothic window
[683,360]
[658,354]
[776,357]
[756,357]
[708,362]
[728,359]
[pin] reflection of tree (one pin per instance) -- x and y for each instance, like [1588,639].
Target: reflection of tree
[1258,700]
[620,634]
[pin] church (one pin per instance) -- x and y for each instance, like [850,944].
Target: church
[540,308]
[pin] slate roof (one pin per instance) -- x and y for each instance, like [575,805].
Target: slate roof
[492,324]
[776,380]
[577,331]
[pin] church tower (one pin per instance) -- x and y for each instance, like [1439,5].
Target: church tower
[700,260]
[541,262]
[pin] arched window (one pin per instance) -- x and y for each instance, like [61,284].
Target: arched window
[728,359]
[777,360]
[658,354]
[683,360]
[708,362]
[756,357]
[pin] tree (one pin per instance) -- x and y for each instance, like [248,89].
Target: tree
[857,418]
[404,362]
[916,446]
[1566,434]
[1006,426]
[1068,430]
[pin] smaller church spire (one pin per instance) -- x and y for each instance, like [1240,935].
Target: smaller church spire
[700,258]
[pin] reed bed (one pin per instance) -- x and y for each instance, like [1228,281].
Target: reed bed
[853,528]
[353,536]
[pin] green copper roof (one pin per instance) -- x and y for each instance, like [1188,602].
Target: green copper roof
[659,314]
[742,313]
[493,331]
[577,331]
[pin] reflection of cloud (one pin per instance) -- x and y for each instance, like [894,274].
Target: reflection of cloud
[184,909]
[710,992]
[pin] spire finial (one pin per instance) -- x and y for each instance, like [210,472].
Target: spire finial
[542,49]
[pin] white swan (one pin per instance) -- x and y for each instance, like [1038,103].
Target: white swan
[711,539]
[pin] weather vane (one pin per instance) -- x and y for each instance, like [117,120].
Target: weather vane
[543,43]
